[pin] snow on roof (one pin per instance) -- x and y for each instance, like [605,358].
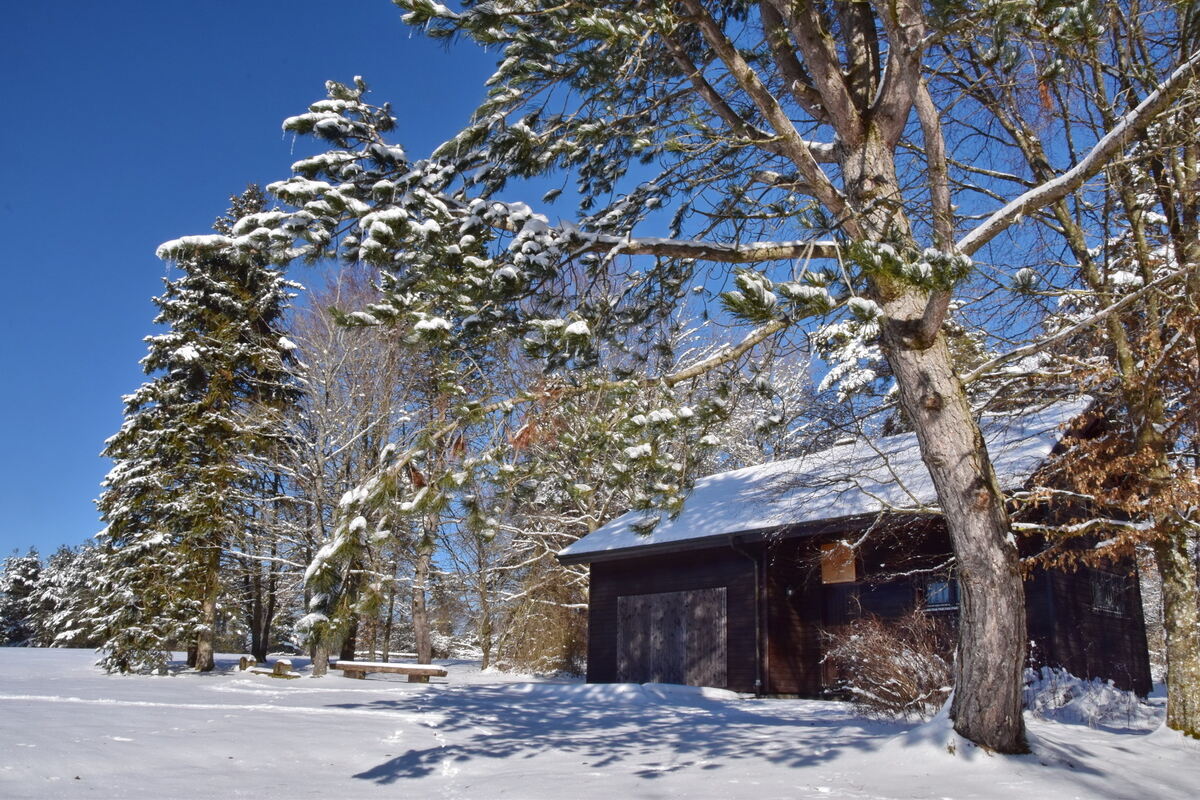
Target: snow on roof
[848,480]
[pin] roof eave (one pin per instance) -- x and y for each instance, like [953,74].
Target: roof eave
[856,522]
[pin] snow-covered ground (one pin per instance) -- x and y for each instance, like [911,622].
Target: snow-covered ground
[67,730]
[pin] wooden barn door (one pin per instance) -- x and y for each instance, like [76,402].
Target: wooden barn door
[672,637]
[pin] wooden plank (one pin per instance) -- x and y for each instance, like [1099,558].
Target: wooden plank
[611,626]
[673,637]
[706,644]
[837,563]
[360,668]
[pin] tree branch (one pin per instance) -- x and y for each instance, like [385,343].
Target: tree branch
[821,58]
[797,149]
[751,253]
[1041,344]
[1109,145]
[905,26]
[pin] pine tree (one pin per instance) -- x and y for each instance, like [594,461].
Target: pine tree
[62,597]
[182,486]
[19,576]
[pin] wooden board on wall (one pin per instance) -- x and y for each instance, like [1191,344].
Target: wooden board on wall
[837,563]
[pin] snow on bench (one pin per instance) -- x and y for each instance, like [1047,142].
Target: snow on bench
[282,669]
[417,673]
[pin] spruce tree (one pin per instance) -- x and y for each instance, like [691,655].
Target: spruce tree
[182,484]
[19,577]
[62,598]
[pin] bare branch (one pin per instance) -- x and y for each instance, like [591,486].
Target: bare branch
[1109,145]
[751,253]
[797,148]
[1066,333]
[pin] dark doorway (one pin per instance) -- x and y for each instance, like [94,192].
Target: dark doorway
[673,637]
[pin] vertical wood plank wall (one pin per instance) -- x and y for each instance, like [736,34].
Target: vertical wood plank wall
[673,637]
[1063,627]
[702,569]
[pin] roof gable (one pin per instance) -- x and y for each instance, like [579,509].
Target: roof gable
[849,480]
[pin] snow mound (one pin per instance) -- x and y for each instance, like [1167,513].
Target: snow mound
[932,739]
[1057,695]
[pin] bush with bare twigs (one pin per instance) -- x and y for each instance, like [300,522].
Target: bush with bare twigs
[894,667]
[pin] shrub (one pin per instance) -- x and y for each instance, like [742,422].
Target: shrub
[1052,693]
[894,667]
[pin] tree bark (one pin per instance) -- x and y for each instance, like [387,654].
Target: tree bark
[350,643]
[208,611]
[990,657]
[990,661]
[320,659]
[387,628]
[1181,619]
[420,611]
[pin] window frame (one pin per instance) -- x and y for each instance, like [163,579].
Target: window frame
[1110,586]
[951,588]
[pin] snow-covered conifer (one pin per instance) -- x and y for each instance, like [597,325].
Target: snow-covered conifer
[182,480]
[19,577]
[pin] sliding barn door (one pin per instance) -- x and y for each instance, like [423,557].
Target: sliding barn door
[672,637]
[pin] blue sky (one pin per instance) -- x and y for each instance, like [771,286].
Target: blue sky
[130,123]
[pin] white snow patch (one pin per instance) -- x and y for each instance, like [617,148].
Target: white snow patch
[480,735]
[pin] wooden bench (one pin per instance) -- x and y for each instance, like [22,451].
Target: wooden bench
[281,669]
[417,673]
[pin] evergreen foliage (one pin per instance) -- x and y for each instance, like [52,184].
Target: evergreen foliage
[183,475]
[18,582]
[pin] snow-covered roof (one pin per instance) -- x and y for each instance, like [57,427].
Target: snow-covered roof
[849,480]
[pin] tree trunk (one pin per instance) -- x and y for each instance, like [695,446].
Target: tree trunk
[350,643]
[991,643]
[208,611]
[320,659]
[387,628]
[990,662]
[268,618]
[484,628]
[1181,618]
[420,612]
[253,588]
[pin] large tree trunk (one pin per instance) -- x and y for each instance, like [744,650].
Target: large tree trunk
[990,662]
[253,586]
[1181,618]
[208,611]
[350,643]
[991,642]
[320,659]
[387,628]
[420,612]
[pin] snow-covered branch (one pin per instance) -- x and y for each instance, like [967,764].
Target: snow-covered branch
[1109,145]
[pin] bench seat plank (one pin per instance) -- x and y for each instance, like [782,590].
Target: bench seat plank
[417,673]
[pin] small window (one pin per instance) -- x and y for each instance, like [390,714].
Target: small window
[837,563]
[1108,593]
[939,594]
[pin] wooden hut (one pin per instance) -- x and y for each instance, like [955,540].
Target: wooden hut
[740,589]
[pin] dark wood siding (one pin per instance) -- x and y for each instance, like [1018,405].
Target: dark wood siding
[702,569]
[673,637]
[1094,643]
[797,608]
[793,583]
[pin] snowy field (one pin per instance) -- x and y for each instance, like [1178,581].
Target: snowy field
[67,730]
